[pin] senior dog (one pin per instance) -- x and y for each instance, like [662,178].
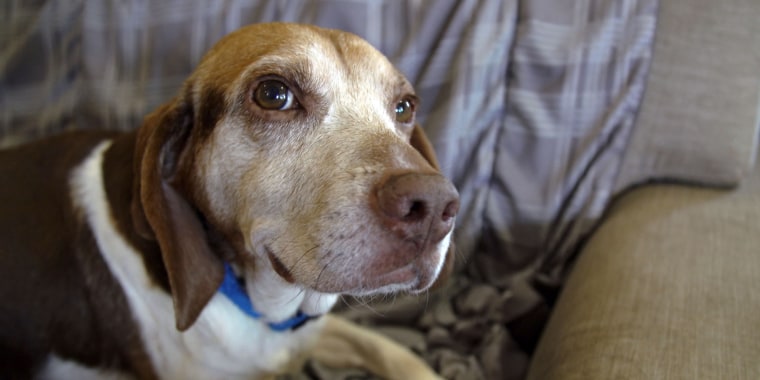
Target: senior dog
[211,242]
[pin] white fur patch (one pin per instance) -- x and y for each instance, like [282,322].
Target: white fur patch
[59,369]
[223,343]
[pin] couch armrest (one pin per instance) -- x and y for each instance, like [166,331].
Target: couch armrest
[667,288]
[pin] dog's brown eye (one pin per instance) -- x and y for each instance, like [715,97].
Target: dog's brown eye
[274,95]
[404,111]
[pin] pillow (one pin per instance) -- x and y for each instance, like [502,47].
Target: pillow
[699,119]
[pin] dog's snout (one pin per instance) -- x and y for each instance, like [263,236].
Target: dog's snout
[418,207]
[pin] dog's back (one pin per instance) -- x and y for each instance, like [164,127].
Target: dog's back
[48,261]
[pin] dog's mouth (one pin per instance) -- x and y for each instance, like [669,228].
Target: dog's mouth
[406,275]
[390,272]
[407,278]
[279,267]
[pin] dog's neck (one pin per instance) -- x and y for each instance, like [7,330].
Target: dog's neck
[234,288]
[278,300]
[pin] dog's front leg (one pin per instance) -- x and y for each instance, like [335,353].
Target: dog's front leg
[344,344]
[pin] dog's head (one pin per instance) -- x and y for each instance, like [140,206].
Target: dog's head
[295,148]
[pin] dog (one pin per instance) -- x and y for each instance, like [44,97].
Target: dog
[212,241]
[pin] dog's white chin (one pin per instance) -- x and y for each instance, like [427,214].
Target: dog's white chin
[315,303]
[414,278]
[399,280]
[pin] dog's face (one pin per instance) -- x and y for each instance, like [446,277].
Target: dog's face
[295,147]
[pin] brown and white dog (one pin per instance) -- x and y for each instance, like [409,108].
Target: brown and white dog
[210,242]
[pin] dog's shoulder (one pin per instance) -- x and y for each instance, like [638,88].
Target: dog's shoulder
[49,261]
[36,195]
[36,173]
[65,148]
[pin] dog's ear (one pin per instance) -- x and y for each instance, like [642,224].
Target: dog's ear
[162,213]
[421,143]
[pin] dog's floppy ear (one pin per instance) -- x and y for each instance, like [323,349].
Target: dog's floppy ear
[421,143]
[162,213]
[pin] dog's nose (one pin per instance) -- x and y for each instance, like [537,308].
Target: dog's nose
[418,207]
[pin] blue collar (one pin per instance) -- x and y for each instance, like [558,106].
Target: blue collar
[233,289]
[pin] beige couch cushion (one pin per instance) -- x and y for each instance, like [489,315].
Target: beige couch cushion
[667,288]
[699,116]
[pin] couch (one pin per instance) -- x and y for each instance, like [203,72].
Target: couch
[604,151]
[663,287]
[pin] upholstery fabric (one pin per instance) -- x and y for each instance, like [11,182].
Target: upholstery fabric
[661,291]
[530,104]
[576,78]
[699,118]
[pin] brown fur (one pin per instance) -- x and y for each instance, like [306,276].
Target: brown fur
[333,195]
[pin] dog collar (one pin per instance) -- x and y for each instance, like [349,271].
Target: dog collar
[234,291]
